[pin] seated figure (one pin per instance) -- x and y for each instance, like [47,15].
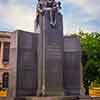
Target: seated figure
[50,5]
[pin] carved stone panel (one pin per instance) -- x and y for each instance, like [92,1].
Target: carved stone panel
[26,68]
[72,56]
[25,62]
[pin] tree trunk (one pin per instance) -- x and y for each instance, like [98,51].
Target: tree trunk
[86,86]
[87,90]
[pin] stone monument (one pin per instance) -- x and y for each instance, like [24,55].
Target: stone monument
[45,64]
[50,48]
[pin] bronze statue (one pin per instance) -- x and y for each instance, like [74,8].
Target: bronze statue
[48,5]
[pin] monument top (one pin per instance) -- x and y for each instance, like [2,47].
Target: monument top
[51,6]
[48,5]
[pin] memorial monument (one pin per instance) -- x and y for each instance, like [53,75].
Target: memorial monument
[48,63]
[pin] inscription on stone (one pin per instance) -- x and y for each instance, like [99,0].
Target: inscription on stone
[54,51]
[54,59]
[72,65]
[25,48]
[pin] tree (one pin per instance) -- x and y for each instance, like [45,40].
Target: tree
[90,44]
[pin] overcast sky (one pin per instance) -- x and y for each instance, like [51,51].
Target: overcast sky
[78,14]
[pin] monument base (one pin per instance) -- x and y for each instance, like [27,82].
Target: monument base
[53,98]
[59,98]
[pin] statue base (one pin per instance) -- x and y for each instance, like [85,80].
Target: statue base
[56,98]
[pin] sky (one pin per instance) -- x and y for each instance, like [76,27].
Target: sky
[77,15]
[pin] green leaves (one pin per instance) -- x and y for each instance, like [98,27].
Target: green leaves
[90,44]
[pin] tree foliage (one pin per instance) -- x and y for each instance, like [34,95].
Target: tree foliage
[90,44]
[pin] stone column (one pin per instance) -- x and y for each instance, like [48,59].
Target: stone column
[1,54]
